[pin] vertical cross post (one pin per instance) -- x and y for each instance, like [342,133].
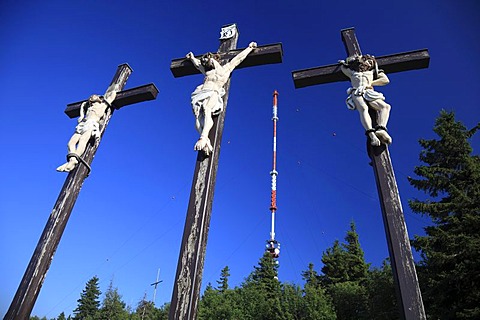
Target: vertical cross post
[31,283]
[188,278]
[405,278]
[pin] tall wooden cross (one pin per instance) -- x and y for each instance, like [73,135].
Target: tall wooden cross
[406,282]
[192,253]
[32,280]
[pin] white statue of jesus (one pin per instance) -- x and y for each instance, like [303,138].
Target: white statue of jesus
[88,127]
[207,99]
[364,75]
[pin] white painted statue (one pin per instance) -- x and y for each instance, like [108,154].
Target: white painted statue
[88,127]
[207,99]
[364,75]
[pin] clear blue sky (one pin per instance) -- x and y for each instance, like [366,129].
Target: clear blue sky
[129,217]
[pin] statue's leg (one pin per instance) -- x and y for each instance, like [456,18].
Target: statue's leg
[383,109]
[81,146]
[365,119]
[72,145]
[203,142]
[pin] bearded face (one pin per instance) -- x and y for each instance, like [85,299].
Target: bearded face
[207,62]
[362,63]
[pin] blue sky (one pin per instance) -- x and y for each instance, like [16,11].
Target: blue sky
[129,217]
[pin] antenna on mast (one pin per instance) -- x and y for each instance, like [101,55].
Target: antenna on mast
[273,246]
[155,284]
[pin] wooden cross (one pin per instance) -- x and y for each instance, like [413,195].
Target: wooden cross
[406,282]
[192,253]
[32,280]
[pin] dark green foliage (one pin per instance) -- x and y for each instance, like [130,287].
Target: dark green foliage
[88,304]
[450,250]
[344,262]
[112,306]
[223,282]
[382,302]
[61,316]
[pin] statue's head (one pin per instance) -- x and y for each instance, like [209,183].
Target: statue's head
[207,60]
[95,98]
[361,63]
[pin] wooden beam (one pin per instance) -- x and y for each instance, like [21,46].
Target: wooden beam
[411,60]
[266,54]
[123,98]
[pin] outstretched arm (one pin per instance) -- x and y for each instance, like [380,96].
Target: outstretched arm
[196,62]
[232,64]
[344,67]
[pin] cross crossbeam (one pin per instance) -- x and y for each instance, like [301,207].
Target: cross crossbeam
[124,98]
[266,54]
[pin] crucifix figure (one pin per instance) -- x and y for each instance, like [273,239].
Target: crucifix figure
[88,127]
[364,72]
[207,99]
[188,278]
[31,283]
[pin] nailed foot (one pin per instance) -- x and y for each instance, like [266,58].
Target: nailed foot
[69,166]
[203,144]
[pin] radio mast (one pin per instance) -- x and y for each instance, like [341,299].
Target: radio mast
[273,246]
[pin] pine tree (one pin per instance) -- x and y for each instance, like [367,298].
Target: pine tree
[381,294]
[88,303]
[316,304]
[145,310]
[344,276]
[261,292]
[357,267]
[450,250]
[345,262]
[334,265]
[61,316]
[112,306]
[223,282]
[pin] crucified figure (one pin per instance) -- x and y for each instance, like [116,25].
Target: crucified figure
[88,127]
[364,75]
[207,99]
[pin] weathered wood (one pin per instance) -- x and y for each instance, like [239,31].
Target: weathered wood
[411,60]
[266,54]
[188,279]
[130,96]
[407,288]
[406,283]
[32,281]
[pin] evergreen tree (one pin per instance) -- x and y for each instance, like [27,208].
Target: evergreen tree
[112,306]
[261,292]
[345,262]
[88,303]
[62,316]
[344,275]
[334,265]
[450,250]
[145,310]
[311,276]
[316,303]
[223,282]
[381,294]
[357,267]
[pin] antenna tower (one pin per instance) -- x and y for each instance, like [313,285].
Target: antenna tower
[273,246]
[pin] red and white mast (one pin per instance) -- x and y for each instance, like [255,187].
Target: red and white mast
[273,246]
